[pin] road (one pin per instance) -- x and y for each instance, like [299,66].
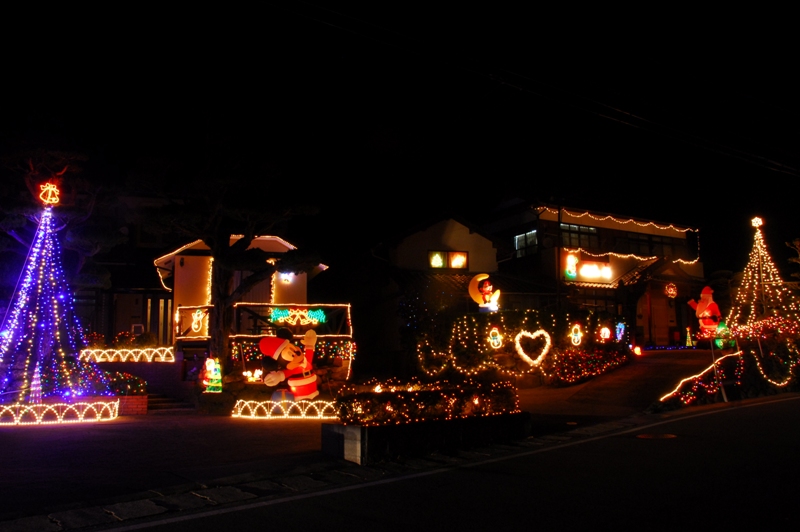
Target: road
[152,466]
[716,469]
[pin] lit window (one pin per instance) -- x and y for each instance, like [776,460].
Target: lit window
[458,260]
[525,244]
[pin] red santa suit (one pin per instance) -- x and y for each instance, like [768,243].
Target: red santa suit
[706,310]
[300,372]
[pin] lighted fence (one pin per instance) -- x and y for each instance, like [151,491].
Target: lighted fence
[150,354]
[51,414]
[285,409]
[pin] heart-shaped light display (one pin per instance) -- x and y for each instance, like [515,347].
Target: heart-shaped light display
[533,336]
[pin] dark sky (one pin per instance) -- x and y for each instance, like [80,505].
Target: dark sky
[384,114]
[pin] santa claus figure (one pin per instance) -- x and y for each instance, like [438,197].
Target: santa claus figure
[707,311]
[299,372]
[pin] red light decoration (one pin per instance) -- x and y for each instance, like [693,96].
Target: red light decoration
[49,194]
[671,290]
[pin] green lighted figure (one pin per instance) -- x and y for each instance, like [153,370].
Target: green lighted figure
[213,377]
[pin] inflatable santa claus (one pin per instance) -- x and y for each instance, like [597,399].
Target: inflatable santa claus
[707,311]
[299,372]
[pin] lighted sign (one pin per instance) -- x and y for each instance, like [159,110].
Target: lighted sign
[576,335]
[605,333]
[586,270]
[521,352]
[298,316]
[723,338]
[595,270]
[49,194]
[213,376]
[572,266]
[197,320]
[671,290]
[495,338]
[483,293]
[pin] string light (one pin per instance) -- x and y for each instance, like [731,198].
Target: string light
[533,336]
[56,413]
[149,354]
[621,221]
[469,353]
[285,409]
[49,194]
[395,403]
[42,336]
[762,301]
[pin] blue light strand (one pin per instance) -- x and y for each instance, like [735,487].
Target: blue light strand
[41,341]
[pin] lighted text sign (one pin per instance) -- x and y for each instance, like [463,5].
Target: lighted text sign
[582,270]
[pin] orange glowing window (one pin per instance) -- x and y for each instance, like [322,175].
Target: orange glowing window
[458,260]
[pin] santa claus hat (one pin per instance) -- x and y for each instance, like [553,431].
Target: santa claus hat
[272,346]
[707,290]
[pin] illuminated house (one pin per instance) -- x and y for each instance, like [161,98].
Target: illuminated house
[412,281]
[642,270]
[280,302]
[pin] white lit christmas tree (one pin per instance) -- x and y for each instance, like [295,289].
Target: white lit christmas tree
[41,337]
[762,301]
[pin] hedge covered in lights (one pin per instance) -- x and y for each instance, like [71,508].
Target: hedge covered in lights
[562,348]
[325,350]
[122,383]
[395,404]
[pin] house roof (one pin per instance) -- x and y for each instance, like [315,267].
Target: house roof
[165,261]
[542,208]
[398,237]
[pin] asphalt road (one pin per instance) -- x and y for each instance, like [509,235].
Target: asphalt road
[140,467]
[716,469]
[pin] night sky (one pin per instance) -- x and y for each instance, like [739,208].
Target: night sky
[384,115]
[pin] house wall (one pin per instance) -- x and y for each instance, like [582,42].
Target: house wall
[191,280]
[289,288]
[448,235]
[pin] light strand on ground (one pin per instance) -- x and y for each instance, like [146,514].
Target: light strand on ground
[58,413]
[285,409]
[146,354]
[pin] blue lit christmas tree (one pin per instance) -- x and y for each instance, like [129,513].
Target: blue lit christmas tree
[41,337]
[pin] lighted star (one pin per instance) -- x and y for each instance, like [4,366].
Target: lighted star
[757,222]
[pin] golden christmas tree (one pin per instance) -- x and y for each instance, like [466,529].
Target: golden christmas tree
[762,302]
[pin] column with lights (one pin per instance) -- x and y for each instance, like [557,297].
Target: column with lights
[41,337]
